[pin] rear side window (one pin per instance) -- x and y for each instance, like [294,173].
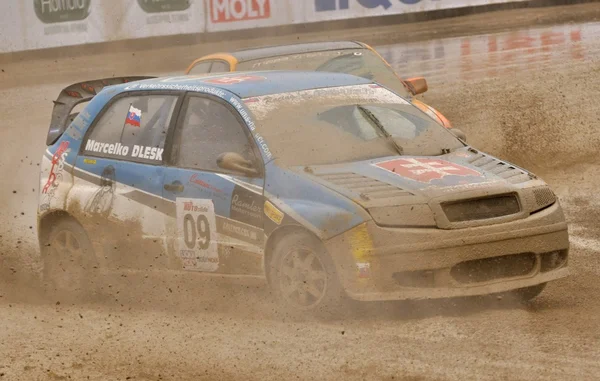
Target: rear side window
[200,68]
[219,67]
[132,128]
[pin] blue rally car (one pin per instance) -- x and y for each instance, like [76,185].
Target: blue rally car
[327,185]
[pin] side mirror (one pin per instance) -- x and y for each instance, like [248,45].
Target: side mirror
[416,85]
[235,162]
[458,133]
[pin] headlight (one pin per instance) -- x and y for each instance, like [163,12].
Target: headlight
[419,215]
[538,198]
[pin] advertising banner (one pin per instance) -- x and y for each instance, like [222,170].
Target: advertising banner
[39,24]
[322,10]
[52,23]
[486,56]
[248,14]
[126,19]
[11,34]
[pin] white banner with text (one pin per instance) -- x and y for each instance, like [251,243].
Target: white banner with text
[39,24]
[323,10]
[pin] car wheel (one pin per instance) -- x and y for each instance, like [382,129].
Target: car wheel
[68,259]
[526,294]
[303,277]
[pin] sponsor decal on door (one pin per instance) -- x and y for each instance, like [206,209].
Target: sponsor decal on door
[196,228]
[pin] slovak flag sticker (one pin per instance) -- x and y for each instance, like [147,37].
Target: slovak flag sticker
[134,116]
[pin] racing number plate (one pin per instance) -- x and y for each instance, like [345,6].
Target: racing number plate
[196,228]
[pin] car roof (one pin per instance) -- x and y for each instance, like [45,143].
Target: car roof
[283,50]
[259,83]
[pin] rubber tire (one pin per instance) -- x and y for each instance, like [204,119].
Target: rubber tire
[334,300]
[526,294]
[80,271]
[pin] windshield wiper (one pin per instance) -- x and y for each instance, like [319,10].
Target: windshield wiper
[380,127]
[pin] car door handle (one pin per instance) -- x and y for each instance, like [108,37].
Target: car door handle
[175,187]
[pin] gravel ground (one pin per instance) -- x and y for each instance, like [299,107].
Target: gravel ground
[534,107]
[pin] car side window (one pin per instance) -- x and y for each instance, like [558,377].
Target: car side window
[201,68]
[219,67]
[132,128]
[208,129]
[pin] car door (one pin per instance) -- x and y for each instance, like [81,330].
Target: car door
[217,223]
[118,179]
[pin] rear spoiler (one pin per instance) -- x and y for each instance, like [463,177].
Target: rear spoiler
[73,95]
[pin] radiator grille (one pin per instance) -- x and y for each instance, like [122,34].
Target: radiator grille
[481,209]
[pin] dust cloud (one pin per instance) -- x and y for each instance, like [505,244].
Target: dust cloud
[153,325]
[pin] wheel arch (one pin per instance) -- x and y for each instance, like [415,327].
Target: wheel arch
[48,220]
[277,235]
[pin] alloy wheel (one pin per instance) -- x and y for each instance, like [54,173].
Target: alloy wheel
[303,281]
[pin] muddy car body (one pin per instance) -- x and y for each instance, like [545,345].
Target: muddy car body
[326,185]
[349,57]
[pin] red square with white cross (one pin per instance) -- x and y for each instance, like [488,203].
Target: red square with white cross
[425,170]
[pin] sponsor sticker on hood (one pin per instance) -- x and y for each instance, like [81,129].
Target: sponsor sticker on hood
[425,170]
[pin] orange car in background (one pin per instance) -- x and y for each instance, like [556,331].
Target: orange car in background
[350,57]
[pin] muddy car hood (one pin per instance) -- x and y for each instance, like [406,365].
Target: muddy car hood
[419,183]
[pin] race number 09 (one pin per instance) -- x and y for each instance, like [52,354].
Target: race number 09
[194,228]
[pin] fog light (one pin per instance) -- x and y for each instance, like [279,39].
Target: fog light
[364,270]
[553,260]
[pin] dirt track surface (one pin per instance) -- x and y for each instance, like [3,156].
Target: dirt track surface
[529,96]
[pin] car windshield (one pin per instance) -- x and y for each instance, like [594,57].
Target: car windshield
[343,124]
[360,62]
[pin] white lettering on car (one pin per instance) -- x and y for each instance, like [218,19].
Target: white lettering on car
[238,106]
[263,145]
[118,149]
[163,86]
[259,139]
[153,153]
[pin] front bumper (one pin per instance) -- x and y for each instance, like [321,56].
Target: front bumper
[377,263]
